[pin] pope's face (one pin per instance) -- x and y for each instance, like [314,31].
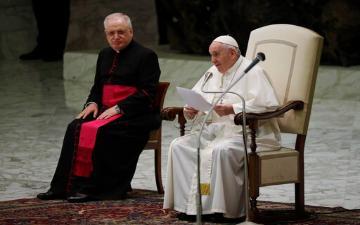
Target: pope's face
[222,57]
[118,34]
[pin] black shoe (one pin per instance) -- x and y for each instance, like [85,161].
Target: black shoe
[50,195]
[33,55]
[183,216]
[79,197]
[52,58]
[45,56]
[124,196]
[129,188]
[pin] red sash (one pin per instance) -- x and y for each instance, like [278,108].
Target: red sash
[112,94]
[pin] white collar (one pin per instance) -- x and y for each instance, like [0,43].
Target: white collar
[234,67]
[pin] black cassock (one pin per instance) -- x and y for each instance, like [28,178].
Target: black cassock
[120,142]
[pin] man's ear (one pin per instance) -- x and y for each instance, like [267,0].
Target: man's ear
[233,53]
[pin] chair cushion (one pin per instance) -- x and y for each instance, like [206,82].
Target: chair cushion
[279,166]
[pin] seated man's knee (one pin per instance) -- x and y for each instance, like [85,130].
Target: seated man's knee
[226,149]
[178,144]
[73,125]
[175,144]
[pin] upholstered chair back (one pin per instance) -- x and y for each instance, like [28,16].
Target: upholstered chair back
[292,59]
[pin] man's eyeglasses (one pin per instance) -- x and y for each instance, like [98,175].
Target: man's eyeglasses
[112,33]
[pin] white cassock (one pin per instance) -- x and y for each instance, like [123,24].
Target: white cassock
[221,150]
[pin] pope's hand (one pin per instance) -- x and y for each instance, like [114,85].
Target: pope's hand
[190,112]
[223,110]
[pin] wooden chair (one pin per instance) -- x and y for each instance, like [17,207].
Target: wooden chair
[292,60]
[154,142]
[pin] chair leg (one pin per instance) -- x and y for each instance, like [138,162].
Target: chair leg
[254,189]
[158,179]
[299,198]
[300,187]
[253,211]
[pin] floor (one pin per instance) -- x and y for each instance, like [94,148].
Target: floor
[37,103]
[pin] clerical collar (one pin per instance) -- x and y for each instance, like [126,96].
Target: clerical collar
[124,49]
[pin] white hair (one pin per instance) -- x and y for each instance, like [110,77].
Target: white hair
[118,16]
[236,49]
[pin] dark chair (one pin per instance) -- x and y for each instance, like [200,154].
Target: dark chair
[154,142]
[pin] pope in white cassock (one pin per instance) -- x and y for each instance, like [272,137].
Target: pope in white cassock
[221,149]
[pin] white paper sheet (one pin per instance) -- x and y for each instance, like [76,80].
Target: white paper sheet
[193,99]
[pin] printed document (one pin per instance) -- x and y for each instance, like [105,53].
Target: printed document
[194,99]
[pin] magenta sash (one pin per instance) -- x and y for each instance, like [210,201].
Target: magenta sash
[112,94]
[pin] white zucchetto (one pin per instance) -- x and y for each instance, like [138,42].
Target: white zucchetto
[227,39]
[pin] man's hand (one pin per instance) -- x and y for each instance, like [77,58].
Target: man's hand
[223,110]
[190,112]
[108,113]
[90,109]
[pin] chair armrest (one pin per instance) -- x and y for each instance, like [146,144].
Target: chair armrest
[253,118]
[295,105]
[170,113]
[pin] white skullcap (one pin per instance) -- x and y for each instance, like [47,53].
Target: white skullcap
[227,39]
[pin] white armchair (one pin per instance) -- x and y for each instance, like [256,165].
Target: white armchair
[292,60]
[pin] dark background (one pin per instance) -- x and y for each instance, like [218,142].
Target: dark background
[189,26]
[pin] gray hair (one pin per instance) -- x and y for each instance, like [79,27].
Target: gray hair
[237,50]
[118,16]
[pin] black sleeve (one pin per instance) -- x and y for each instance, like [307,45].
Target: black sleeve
[147,81]
[96,90]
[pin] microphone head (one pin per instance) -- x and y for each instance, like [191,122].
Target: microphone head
[208,75]
[260,56]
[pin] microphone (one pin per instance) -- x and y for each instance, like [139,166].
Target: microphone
[259,57]
[208,75]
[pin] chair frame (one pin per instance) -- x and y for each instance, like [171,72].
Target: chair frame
[252,120]
[296,102]
[154,142]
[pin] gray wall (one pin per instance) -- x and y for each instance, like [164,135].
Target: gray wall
[18,28]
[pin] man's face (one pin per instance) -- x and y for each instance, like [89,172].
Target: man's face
[221,57]
[118,34]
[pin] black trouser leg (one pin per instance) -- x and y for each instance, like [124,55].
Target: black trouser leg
[115,159]
[59,183]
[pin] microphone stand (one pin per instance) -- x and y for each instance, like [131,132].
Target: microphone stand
[260,56]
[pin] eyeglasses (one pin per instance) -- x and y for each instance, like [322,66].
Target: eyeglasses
[112,33]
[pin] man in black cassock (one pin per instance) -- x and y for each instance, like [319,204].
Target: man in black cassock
[102,145]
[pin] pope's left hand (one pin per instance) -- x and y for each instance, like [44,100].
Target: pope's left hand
[223,110]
